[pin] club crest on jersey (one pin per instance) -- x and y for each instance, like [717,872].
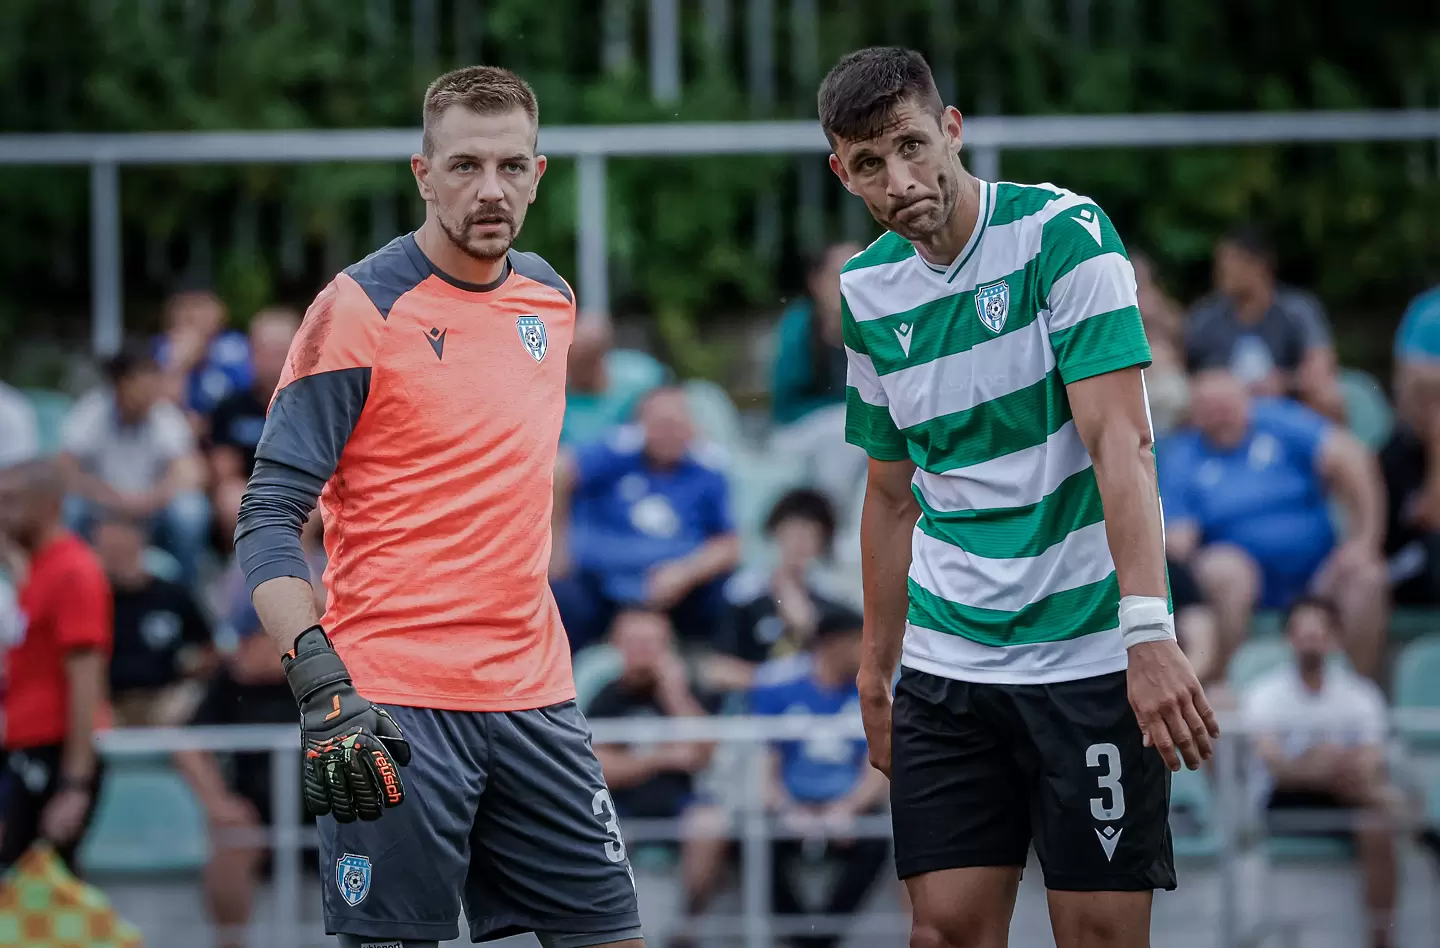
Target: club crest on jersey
[352,877]
[992,304]
[532,334]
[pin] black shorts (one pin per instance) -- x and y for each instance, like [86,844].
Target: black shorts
[30,781]
[506,812]
[980,771]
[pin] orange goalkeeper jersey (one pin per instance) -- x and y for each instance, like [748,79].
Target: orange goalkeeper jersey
[432,408]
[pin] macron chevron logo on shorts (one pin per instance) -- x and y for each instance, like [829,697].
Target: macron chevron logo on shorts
[1109,839]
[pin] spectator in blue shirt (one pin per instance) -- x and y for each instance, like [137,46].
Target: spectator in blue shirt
[642,520]
[1246,506]
[810,356]
[817,788]
[203,361]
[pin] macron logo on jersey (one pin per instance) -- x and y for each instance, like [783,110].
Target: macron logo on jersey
[436,338]
[1109,838]
[1087,219]
[903,333]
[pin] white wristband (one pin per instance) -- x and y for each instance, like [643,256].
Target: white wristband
[1145,619]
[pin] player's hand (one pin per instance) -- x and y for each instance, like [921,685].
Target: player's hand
[875,703]
[352,748]
[1174,716]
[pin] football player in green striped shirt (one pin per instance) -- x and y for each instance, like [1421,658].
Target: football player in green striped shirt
[1012,539]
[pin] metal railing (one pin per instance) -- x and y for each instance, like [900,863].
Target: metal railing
[1233,821]
[985,138]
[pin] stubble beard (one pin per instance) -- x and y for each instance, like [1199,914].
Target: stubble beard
[485,249]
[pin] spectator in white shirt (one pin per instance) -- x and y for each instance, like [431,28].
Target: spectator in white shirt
[1319,729]
[127,450]
[19,430]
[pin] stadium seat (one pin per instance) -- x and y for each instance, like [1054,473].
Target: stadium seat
[50,411]
[1310,849]
[756,482]
[1367,410]
[1417,674]
[148,821]
[1191,817]
[1417,684]
[1268,624]
[1255,658]
[1410,624]
[595,667]
[715,414]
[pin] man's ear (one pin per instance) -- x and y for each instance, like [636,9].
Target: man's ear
[540,165]
[953,124]
[841,172]
[420,167]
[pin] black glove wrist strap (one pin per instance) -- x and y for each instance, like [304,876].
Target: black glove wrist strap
[314,665]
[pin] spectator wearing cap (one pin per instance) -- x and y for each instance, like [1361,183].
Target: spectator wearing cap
[817,788]
[127,450]
[772,612]
[1411,459]
[657,781]
[1246,507]
[1320,729]
[642,520]
[202,360]
[19,429]
[1275,338]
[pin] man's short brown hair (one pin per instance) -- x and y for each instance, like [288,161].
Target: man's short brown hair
[860,94]
[485,90]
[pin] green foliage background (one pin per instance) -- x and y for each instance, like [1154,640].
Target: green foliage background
[1356,222]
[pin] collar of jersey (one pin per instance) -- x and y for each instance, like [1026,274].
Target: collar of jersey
[413,249]
[982,221]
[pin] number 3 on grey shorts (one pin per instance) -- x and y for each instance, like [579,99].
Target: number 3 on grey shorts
[505,809]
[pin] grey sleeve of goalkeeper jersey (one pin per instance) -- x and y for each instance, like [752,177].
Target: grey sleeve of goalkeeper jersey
[278,501]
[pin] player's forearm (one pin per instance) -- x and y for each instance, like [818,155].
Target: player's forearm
[1125,473]
[85,678]
[267,545]
[887,523]
[286,607]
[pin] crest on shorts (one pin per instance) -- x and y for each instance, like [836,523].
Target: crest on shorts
[532,334]
[352,878]
[992,304]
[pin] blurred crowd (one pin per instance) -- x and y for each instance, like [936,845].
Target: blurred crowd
[1280,492]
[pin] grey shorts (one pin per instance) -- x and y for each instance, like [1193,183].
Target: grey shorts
[506,810]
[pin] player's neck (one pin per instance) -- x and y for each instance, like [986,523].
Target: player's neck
[451,260]
[950,240]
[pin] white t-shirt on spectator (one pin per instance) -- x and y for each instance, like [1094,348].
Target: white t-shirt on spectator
[127,457]
[19,431]
[1348,710]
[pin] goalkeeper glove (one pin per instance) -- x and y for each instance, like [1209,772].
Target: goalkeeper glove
[351,746]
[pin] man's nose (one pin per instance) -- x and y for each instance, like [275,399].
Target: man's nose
[488,188]
[901,177]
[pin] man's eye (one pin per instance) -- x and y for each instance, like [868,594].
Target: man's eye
[870,164]
[465,166]
[514,167]
[909,148]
